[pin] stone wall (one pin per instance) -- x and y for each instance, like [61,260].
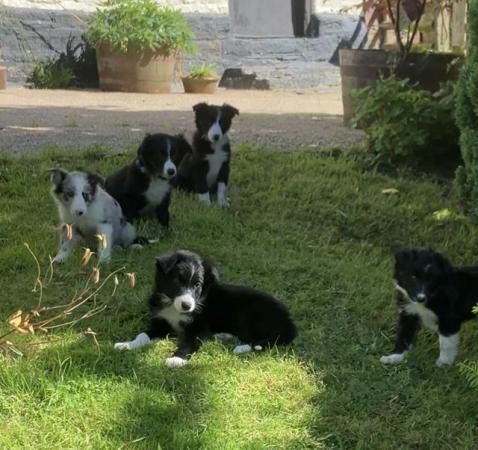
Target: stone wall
[29,34]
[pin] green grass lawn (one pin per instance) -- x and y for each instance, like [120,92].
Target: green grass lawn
[316,232]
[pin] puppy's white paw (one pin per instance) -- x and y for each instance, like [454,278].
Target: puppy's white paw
[175,361]
[244,348]
[136,247]
[60,258]
[443,362]
[123,346]
[223,202]
[204,198]
[104,259]
[257,348]
[139,341]
[394,358]
[223,337]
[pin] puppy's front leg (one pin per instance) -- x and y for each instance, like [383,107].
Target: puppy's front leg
[162,211]
[222,181]
[408,326]
[449,338]
[187,345]
[201,186]
[105,242]
[158,329]
[66,246]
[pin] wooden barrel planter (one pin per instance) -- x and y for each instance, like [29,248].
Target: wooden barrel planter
[360,68]
[146,71]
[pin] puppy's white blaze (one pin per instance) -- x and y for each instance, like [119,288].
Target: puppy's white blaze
[78,205]
[394,358]
[175,361]
[205,198]
[421,296]
[244,348]
[187,298]
[448,349]
[139,341]
[215,129]
[222,194]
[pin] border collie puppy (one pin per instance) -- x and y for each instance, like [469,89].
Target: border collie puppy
[189,300]
[430,291]
[89,210]
[206,170]
[144,186]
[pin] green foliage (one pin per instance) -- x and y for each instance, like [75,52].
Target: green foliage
[75,67]
[50,74]
[404,124]
[141,25]
[467,119]
[203,71]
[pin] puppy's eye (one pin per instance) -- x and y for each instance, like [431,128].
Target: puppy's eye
[86,196]
[67,195]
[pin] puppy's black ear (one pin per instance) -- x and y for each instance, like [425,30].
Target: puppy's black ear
[142,149]
[94,179]
[166,262]
[198,107]
[57,175]
[402,255]
[229,110]
[443,264]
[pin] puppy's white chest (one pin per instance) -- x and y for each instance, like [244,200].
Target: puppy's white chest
[173,317]
[427,316]
[215,160]
[157,191]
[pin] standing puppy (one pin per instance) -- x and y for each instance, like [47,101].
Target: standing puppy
[144,186]
[90,211]
[432,292]
[206,170]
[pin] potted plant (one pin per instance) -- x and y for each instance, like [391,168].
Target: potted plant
[425,69]
[137,44]
[202,79]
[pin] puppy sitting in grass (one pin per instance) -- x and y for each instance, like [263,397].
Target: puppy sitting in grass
[88,212]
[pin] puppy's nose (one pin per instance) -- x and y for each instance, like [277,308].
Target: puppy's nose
[186,306]
[171,171]
[216,137]
[421,297]
[79,213]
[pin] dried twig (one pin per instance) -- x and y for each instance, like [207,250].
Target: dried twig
[25,322]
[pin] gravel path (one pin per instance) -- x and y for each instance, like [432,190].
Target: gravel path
[33,119]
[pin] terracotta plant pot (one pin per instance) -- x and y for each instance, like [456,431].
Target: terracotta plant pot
[135,71]
[200,85]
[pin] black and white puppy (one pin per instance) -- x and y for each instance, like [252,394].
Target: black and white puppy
[143,187]
[84,205]
[189,301]
[206,170]
[430,291]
